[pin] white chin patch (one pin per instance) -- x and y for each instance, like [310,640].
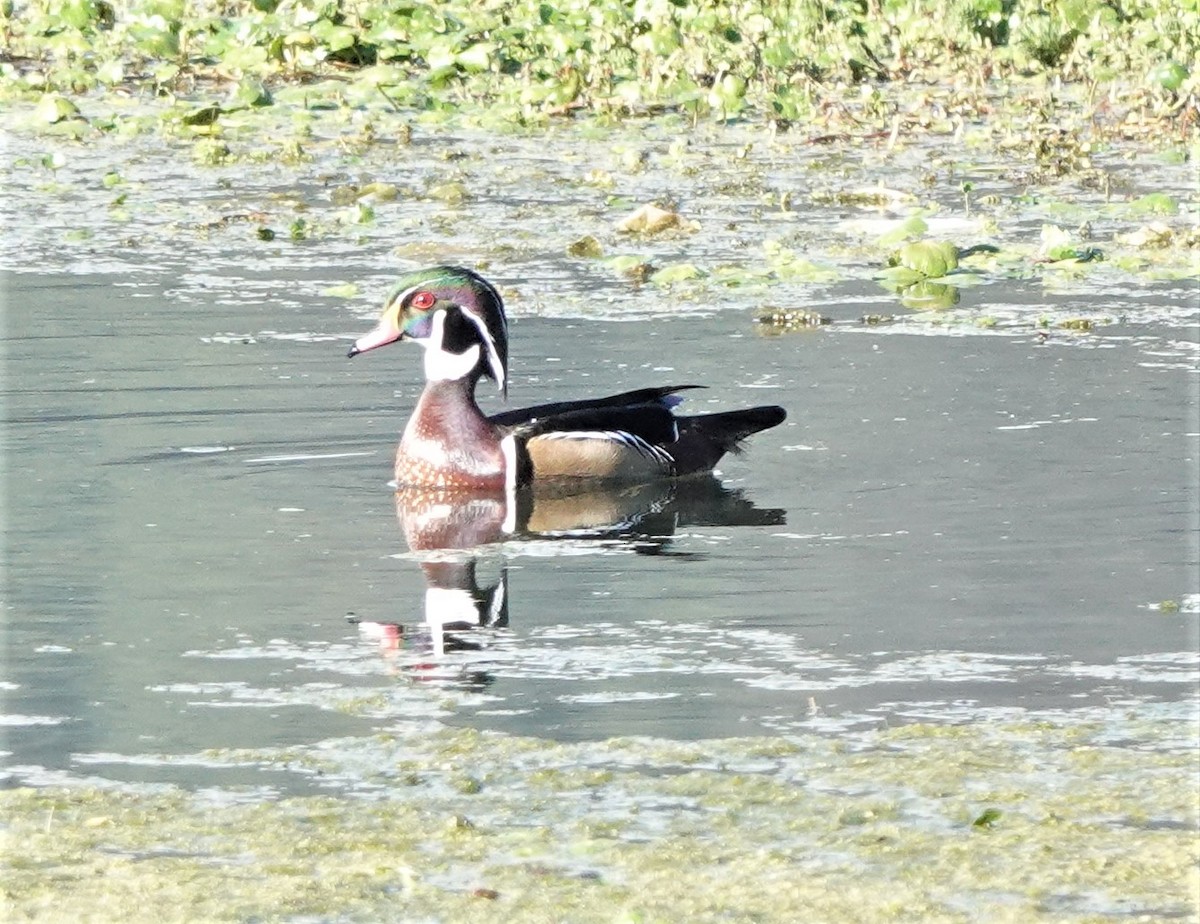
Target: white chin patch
[441,365]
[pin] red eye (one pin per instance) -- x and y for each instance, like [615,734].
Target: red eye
[423,301]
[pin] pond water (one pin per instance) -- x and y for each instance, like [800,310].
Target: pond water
[958,524]
[945,527]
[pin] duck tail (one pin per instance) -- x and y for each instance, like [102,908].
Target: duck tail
[705,438]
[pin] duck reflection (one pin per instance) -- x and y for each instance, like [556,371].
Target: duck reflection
[460,541]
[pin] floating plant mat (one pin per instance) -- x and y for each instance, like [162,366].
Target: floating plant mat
[1019,214]
[1057,816]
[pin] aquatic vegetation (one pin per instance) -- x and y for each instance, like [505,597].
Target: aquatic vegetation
[777,320]
[921,260]
[528,61]
[987,818]
[679,272]
[464,826]
[587,247]
[738,154]
[650,219]
[796,149]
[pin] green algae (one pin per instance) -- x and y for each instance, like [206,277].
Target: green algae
[1046,818]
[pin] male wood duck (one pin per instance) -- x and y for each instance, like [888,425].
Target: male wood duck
[458,317]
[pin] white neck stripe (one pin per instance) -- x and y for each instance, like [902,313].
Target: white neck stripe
[493,355]
[508,446]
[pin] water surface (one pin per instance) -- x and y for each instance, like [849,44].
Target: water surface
[204,551]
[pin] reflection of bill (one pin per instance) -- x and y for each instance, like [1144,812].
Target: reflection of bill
[455,603]
[452,533]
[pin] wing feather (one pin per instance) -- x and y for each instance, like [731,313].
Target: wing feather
[662,398]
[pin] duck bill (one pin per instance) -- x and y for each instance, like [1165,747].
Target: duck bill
[385,332]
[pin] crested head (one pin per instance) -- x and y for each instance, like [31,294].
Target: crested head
[455,314]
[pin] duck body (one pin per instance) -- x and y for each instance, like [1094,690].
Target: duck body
[448,443]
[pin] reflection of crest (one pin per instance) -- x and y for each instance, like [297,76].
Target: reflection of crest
[449,532]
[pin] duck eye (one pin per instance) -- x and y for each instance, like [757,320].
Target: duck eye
[423,301]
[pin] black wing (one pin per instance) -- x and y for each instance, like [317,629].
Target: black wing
[648,401]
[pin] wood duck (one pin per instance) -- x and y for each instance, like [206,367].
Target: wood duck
[458,318]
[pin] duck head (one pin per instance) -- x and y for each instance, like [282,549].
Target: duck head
[456,315]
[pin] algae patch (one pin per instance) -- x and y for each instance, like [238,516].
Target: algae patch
[1048,815]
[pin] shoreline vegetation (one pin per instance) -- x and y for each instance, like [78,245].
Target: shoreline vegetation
[830,69]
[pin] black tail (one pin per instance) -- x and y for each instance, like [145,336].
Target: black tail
[705,438]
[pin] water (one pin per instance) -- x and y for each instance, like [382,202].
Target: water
[970,514]
[203,552]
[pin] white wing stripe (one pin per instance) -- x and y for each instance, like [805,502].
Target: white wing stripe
[624,437]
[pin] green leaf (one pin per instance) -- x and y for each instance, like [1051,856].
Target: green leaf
[164,72]
[452,193]
[440,57]
[380,192]
[900,277]
[987,818]
[1070,257]
[1152,204]
[53,108]
[110,72]
[631,267]
[931,259]
[737,275]
[1056,243]
[728,94]
[78,13]
[333,37]
[476,58]
[1169,75]
[624,262]
[210,151]
[251,91]
[680,272]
